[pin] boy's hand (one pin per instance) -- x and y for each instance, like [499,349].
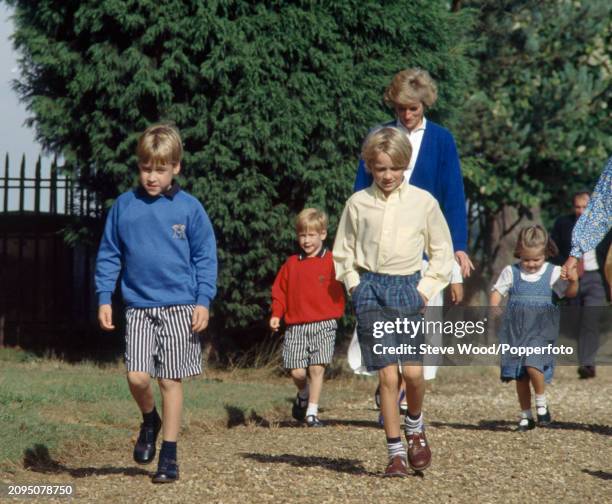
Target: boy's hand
[456,293]
[274,323]
[425,301]
[199,320]
[105,317]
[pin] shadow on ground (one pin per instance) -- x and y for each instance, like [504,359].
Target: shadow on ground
[237,417]
[507,426]
[39,460]
[342,465]
[599,474]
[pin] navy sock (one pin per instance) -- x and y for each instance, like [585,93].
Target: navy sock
[168,450]
[151,418]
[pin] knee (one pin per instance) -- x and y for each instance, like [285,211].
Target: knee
[316,371]
[298,374]
[168,384]
[139,379]
[413,375]
[389,378]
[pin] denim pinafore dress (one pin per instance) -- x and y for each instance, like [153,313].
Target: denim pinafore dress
[531,319]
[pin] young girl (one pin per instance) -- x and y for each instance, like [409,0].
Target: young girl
[531,319]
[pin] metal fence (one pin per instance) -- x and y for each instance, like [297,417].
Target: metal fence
[46,285]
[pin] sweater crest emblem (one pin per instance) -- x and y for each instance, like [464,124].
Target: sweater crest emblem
[178,231]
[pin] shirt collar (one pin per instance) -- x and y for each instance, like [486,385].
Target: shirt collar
[322,252]
[399,125]
[401,190]
[170,193]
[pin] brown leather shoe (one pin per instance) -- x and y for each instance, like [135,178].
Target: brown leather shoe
[419,454]
[396,468]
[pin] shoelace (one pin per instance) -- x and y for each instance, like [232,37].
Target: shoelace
[421,442]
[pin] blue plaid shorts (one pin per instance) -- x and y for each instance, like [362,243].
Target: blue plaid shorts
[388,310]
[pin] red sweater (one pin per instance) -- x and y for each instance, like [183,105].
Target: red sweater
[306,290]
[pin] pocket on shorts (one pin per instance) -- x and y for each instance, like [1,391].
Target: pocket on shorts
[357,291]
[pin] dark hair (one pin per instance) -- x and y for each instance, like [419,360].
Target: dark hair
[535,237]
[580,193]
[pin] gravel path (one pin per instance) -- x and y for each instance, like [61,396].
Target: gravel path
[471,418]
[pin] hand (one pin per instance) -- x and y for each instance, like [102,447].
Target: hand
[105,317]
[570,265]
[274,323]
[456,293]
[199,320]
[425,300]
[464,263]
[570,274]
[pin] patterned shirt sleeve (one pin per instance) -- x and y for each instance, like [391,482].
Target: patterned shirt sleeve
[596,221]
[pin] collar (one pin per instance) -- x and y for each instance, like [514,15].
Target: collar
[422,127]
[322,252]
[170,193]
[400,190]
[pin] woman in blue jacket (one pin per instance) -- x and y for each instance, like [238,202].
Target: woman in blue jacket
[435,163]
[434,167]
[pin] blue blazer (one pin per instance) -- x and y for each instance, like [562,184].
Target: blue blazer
[437,171]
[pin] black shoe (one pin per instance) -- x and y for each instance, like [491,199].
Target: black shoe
[144,449]
[586,372]
[526,424]
[167,471]
[298,411]
[313,421]
[544,419]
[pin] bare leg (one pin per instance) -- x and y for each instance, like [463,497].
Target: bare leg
[389,386]
[172,397]
[142,392]
[524,393]
[300,378]
[537,380]
[316,372]
[415,388]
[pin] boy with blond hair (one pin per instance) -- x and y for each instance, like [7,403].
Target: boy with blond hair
[308,296]
[378,253]
[161,242]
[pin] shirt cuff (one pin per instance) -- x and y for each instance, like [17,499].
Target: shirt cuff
[576,252]
[203,300]
[456,277]
[104,298]
[351,279]
[430,287]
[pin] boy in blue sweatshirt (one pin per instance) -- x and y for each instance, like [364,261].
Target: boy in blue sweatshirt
[161,241]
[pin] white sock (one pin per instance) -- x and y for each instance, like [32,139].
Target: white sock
[313,409]
[413,425]
[395,447]
[526,413]
[541,405]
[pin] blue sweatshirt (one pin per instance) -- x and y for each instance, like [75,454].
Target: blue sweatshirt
[437,171]
[163,246]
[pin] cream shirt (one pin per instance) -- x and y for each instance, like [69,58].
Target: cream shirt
[389,236]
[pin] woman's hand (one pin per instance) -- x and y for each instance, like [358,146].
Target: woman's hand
[464,263]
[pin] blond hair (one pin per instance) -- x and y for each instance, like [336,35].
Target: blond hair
[160,144]
[535,237]
[409,86]
[311,218]
[392,142]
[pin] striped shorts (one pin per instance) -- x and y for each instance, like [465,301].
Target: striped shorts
[159,341]
[308,344]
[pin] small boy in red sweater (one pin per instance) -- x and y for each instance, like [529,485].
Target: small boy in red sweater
[307,294]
